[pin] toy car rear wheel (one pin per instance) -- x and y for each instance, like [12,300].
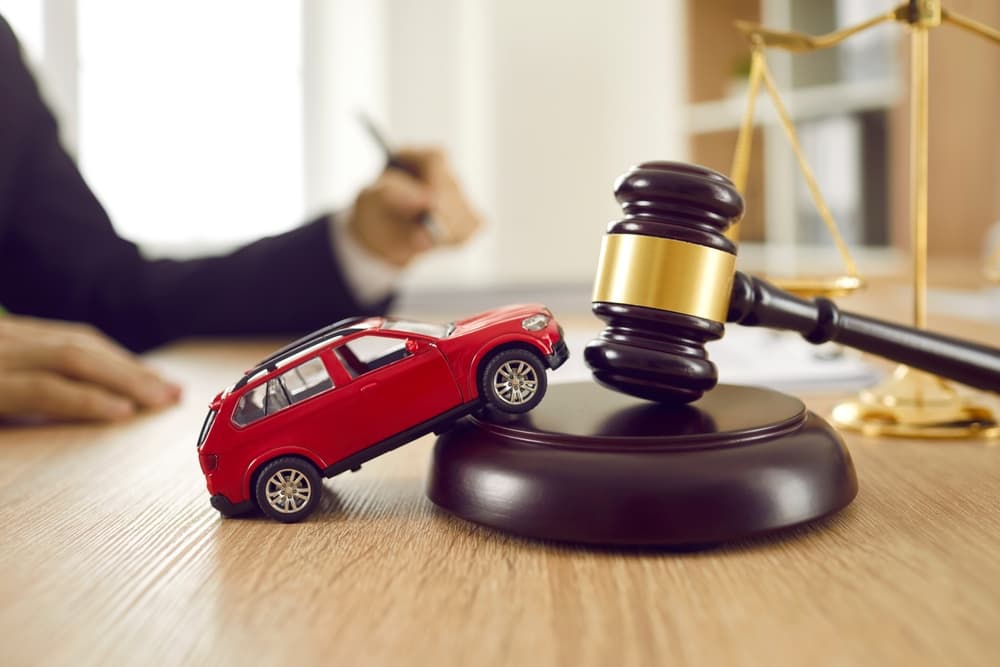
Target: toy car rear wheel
[288,489]
[513,381]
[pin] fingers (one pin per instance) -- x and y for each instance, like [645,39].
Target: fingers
[457,221]
[98,364]
[66,370]
[408,211]
[386,218]
[52,396]
[402,195]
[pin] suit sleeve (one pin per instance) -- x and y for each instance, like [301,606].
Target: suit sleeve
[61,258]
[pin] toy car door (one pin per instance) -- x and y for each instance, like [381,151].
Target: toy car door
[398,383]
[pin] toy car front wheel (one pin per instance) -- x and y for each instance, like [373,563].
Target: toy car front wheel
[288,489]
[514,381]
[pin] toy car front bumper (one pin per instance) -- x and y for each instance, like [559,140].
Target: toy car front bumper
[560,353]
[226,508]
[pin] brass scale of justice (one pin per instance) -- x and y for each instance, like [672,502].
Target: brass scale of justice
[600,463]
[910,403]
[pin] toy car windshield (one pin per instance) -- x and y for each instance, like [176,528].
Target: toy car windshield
[422,328]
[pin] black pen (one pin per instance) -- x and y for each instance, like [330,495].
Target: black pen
[391,161]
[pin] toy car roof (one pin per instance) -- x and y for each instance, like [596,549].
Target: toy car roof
[336,330]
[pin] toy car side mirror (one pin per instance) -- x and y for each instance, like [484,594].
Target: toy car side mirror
[412,346]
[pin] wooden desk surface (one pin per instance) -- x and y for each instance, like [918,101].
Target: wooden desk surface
[110,554]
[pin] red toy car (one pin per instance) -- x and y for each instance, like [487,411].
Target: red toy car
[362,387]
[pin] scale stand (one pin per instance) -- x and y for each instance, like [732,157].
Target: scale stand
[911,403]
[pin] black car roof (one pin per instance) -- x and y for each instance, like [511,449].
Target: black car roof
[336,330]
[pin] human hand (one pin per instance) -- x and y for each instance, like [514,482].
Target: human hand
[386,216]
[69,371]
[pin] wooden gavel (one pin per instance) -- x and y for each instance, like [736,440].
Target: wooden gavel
[666,284]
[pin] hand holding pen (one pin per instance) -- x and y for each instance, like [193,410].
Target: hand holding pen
[414,205]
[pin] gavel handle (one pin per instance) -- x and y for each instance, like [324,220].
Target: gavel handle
[755,302]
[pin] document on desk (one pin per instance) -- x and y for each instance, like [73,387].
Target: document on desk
[776,359]
[982,304]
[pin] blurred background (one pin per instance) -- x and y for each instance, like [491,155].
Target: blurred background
[203,123]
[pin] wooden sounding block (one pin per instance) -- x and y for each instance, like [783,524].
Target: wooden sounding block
[591,465]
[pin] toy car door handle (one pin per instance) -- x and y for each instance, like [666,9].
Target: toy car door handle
[369,386]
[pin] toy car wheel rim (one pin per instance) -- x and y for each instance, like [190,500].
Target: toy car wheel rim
[287,491]
[515,382]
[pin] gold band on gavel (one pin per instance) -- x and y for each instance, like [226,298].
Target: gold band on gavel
[665,274]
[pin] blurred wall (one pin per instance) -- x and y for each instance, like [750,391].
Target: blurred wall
[543,105]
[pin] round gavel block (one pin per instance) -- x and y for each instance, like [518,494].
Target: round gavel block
[595,466]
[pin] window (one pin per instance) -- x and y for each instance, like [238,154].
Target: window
[277,397]
[214,93]
[306,380]
[206,427]
[433,330]
[294,385]
[27,19]
[367,353]
[251,406]
[261,401]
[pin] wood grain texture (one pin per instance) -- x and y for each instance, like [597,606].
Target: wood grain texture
[111,555]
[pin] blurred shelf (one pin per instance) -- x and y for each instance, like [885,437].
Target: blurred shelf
[778,261]
[802,104]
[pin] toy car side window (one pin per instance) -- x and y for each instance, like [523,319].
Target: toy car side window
[262,400]
[277,397]
[306,380]
[367,353]
[251,406]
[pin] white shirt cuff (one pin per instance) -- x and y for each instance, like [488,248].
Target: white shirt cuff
[370,278]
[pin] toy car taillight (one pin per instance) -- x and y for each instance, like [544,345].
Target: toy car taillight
[535,322]
[209,462]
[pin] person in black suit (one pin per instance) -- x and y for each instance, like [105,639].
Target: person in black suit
[81,300]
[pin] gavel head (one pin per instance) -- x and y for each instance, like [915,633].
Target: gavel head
[663,281]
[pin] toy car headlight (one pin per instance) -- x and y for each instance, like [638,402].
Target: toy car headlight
[535,322]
